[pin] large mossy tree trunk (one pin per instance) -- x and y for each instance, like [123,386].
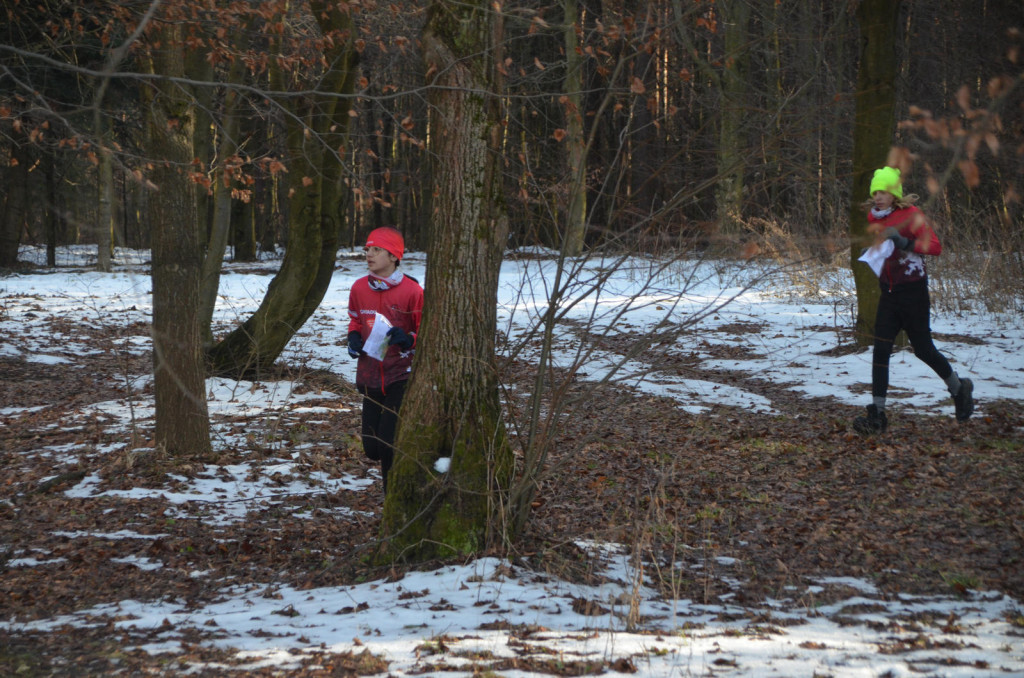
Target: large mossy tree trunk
[874,122]
[316,134]
[179,376]
[452,408]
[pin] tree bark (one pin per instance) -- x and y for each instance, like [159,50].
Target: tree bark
[874,126]
[451,407]
[182,420]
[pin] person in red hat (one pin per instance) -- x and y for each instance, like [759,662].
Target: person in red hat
[387,296]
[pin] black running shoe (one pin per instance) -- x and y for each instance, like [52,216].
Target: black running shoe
[873,422]
[964,400]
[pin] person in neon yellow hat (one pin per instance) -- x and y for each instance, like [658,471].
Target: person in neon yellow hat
[904,304]
[887,179]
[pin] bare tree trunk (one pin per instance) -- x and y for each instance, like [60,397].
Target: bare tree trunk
[182,420]
[644,181]
[12,217]
[451,407]
[214,259]
[220,226]
[105,213]
[52,220]
[242,236]
[873,130]
[834,189]
[731,145]
[576,143]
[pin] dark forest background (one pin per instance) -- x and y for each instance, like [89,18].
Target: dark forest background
[701,121]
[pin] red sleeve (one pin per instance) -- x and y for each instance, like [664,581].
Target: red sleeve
[916,227]
[925,239]
[355,323]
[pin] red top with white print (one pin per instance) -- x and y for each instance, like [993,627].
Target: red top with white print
[903,266]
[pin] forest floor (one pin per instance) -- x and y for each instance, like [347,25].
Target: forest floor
[932,506]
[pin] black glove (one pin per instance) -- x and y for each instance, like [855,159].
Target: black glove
[898,240]
[400,338]
[355,343]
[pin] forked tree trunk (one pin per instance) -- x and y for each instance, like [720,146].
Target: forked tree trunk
[451,406]
[182,420]
[874,122]
[318,129]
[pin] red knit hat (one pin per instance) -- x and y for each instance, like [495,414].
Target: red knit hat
[387,239]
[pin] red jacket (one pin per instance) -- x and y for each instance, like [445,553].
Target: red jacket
[400,300]
[903,266]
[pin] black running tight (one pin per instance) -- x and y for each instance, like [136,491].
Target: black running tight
[906,307]
[380,419]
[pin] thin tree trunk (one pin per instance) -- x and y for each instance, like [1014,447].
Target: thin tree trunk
[220,226]
[12,219]
[645,190]
[105,213]
[836,134]
[576,143]
[243,225]
[51,209]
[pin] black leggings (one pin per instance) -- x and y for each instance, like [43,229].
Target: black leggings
[906,307]
[380,419]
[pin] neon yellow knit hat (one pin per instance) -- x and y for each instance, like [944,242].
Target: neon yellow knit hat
[887,179]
